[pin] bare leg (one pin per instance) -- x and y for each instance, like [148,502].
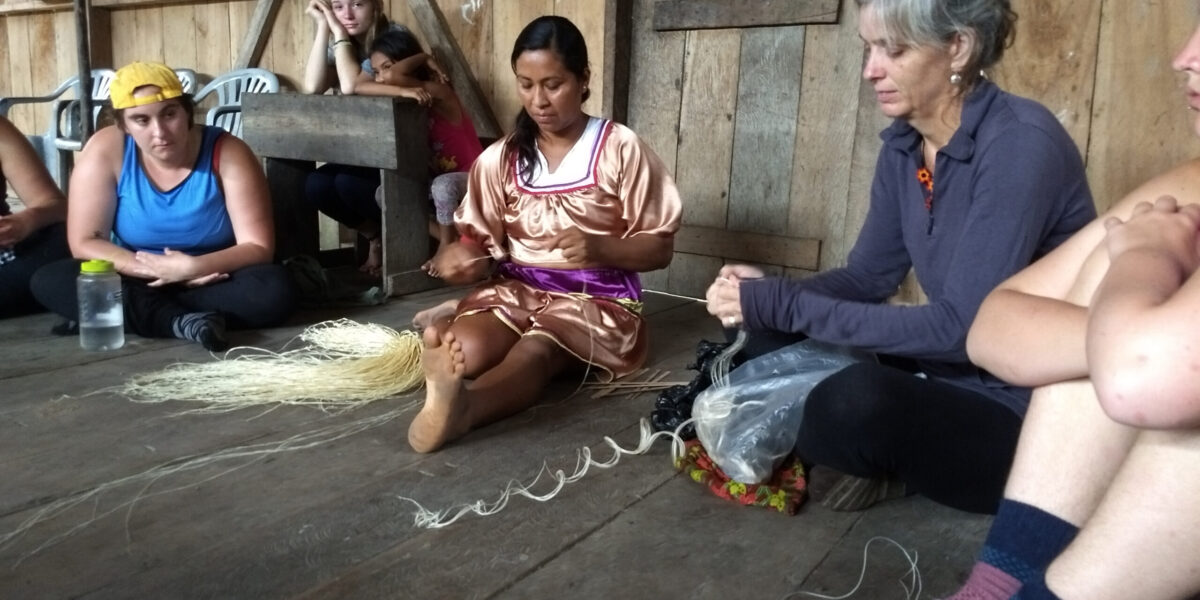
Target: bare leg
[445,235]
[1069,452]
[1145,536]
[1069,449]
[435,233]
[374,262]
[518,381]
[373,232]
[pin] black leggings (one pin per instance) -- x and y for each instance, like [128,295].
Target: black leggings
[945,442]
[253,297]
[345,193]
[948,443]
[43,247]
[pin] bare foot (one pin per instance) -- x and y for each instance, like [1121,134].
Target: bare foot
[430,265]
[432,316]
[444,415]
[374,263]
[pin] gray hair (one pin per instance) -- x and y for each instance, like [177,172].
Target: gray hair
[990,23]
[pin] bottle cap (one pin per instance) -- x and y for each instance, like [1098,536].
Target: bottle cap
[96,266]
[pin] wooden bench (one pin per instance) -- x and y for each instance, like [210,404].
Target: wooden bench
[293,131]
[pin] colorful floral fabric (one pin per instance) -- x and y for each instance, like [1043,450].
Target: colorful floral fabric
[925,178]
[784,492]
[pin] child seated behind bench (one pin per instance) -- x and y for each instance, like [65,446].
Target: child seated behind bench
[399,62]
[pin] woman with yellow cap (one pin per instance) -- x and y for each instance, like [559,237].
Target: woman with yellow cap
[181,210]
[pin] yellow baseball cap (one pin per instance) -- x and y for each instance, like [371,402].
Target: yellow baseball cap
[137,74]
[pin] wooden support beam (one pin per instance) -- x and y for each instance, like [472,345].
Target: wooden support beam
[257,34]
[618,48]
[83,59]
[721,14]
[792,252]
[446,50]
[100,37]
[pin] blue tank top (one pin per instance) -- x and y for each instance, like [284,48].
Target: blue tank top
[191,217]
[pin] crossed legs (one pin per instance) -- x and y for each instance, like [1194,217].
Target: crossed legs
[1130,494]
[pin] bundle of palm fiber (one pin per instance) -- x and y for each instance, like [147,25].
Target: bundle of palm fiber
[342,365]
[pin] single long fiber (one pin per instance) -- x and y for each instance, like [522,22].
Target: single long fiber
[342,365]
[912,590]
[719,373]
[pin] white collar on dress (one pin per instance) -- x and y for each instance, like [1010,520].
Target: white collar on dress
[577,169]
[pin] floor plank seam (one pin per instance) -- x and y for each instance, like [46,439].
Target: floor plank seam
[583,537]
[829,552]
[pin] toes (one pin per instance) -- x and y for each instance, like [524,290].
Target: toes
[431,338]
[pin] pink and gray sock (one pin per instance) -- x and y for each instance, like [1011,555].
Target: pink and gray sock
[1020,546]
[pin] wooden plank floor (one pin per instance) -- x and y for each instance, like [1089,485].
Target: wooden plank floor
[329,522]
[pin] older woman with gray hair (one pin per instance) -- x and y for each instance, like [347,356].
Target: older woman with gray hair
[971,185]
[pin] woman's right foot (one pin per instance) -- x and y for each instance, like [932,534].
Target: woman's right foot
[444,415]
[431,316]
[374,262]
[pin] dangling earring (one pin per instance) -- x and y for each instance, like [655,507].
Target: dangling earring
[956,78]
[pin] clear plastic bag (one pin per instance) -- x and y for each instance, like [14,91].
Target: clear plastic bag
[750,425]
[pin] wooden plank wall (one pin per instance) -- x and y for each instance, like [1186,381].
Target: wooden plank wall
[772,131]
[768,130]
[37,50]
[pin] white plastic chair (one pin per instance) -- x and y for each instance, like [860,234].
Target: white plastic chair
[56,157]
[64,135]
[229,88]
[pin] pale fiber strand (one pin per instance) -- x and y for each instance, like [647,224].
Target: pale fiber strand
[912,590]
[470,8]
[719,373]
[343,365]
[430,519]
[248,454]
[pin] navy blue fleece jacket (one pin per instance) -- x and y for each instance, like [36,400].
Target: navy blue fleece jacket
[1008,188]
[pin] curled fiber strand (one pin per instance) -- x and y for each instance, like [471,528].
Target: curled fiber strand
[429,519]
[912,590]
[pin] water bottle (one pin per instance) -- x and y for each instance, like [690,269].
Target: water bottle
[101,316]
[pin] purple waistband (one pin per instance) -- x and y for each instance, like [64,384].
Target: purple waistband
[607,283]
